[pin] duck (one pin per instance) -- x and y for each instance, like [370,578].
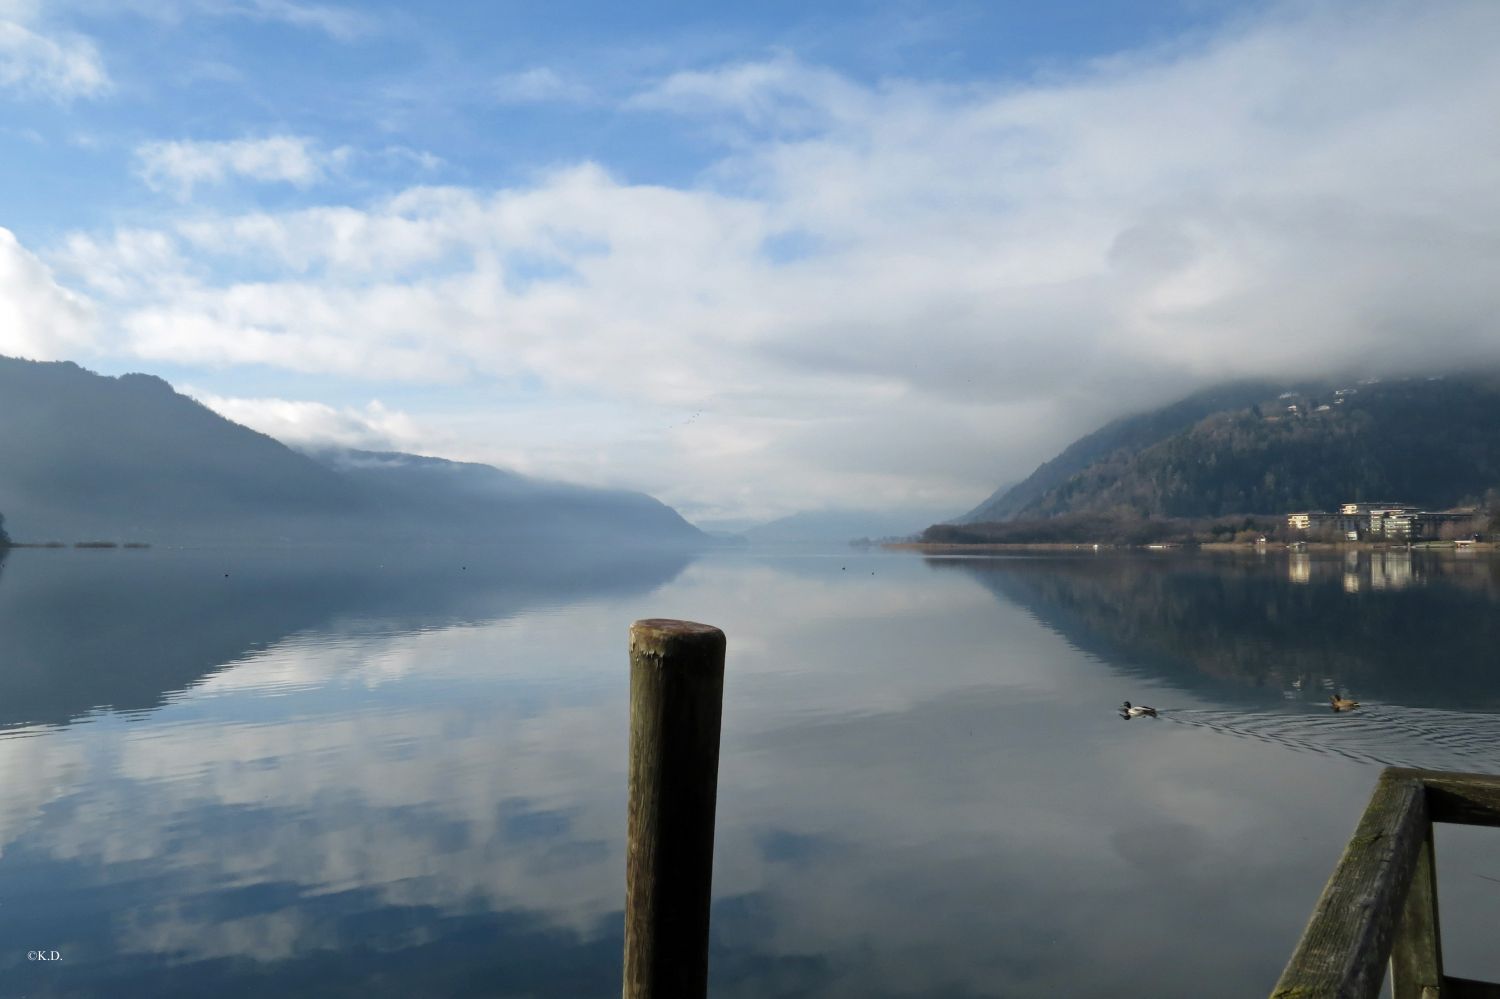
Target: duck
[1341,703]
[1137,710]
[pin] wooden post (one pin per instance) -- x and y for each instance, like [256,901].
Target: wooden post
[676,701]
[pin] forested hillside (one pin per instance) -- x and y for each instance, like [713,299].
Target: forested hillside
[1120,439]
[1434,442]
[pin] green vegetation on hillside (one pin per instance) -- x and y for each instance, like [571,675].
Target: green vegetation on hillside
[1109,529]
[1129,435]
[1433,442]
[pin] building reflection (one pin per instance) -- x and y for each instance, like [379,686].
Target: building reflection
[1391,570]
[1395,569]
[1299,567]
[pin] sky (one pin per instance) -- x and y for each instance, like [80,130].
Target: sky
[749,258]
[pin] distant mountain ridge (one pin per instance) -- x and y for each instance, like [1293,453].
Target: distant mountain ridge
[406,488]
[84,457]
[1264,447]
[839,526]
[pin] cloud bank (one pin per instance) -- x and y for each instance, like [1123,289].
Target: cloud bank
[39,319]
[299,423]
[901,289]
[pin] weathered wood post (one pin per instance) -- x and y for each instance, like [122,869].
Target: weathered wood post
[676,701]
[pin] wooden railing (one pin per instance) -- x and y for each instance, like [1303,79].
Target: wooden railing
[1382,899]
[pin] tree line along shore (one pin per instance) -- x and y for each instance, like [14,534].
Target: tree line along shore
[1071,531]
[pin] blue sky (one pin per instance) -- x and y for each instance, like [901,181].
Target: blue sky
[476,93]
[752,258]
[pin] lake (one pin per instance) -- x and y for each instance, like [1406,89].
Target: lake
[250,773]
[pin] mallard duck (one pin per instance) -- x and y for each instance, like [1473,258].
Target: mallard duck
[1137,710]
[1341,703]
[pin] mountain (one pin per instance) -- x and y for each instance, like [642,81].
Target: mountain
[1122,438]
[840,526]
[84,457]
[422,495]
[1265,448]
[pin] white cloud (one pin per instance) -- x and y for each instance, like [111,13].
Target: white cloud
[301,423]
[59,67]
[782,93]
[539,85]
[341,23]
[420,158]
[181,165]
[39,319]
[126,263]
[880,283]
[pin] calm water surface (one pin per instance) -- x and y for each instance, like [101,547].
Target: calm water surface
[239,773]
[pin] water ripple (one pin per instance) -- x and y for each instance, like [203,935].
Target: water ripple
[1385,735]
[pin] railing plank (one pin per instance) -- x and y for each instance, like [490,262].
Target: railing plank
[1463,988]
[1343,951]
[1416,952]
[1462,799]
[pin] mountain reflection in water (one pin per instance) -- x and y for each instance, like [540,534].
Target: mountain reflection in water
[125,628]
[1414,627]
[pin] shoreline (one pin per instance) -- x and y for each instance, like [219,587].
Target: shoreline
[88,545]
[950,547]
